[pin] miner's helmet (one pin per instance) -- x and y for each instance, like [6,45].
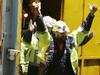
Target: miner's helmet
[49,21]
[61,27]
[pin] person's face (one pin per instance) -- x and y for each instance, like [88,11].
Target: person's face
[32,8]
[60,35]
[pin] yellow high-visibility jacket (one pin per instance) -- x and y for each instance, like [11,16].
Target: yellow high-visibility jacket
[24,55]
[40,46]
[78,37]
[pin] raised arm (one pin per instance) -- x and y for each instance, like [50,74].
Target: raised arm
[81,33]
[86,25]
[39,19]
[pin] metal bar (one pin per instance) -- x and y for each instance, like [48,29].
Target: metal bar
[10,28]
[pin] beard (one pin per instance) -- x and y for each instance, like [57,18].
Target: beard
[59,39]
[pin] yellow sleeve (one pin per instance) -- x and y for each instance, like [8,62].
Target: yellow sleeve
[78,36]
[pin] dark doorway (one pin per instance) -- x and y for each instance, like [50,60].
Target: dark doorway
[51,8]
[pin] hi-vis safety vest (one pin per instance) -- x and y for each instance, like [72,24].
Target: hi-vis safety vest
[33,58]
[78,37]
[40,46]
[25,50]
[24,55]
[44,43]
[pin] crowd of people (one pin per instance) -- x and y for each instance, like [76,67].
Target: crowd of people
[46,46]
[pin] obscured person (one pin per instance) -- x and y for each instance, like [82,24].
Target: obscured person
[64,58]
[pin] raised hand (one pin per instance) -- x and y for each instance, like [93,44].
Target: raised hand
[37,6]
[93,9]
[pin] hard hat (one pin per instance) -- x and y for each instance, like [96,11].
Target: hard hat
[49,21]
[61,27]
